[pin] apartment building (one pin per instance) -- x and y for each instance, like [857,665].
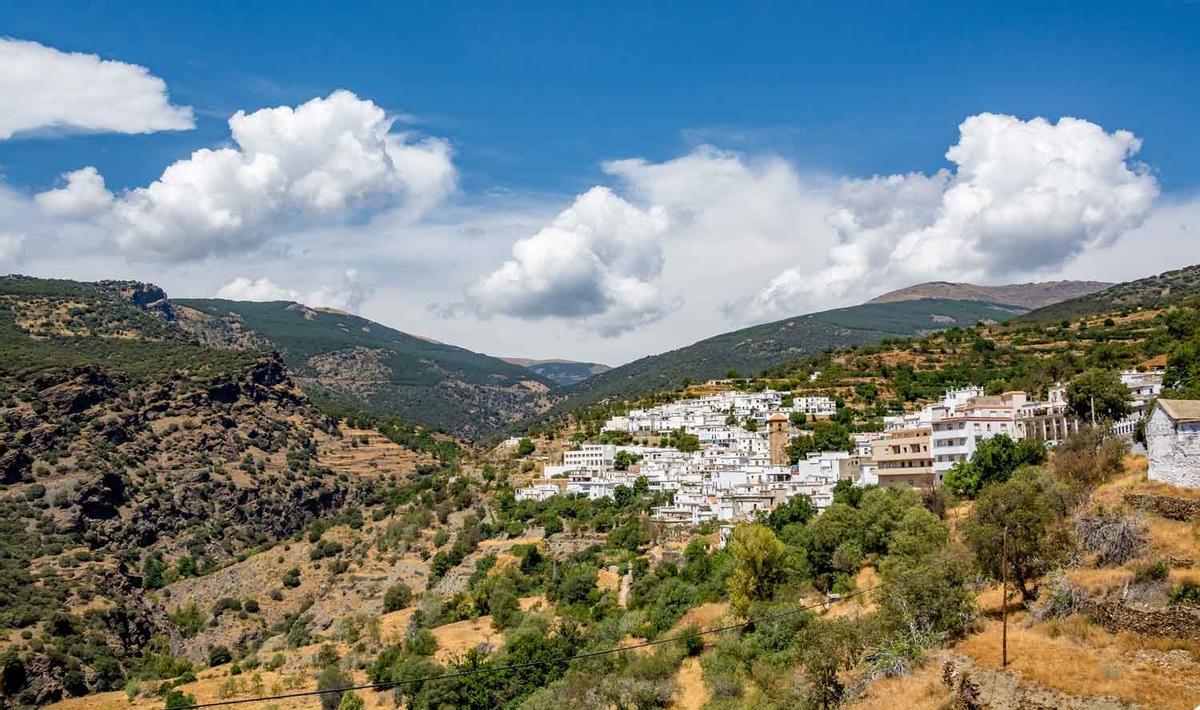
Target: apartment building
[903,458]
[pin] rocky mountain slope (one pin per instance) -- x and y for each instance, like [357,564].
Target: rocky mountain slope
[561,372]
[129,454]
[363,364]
[1026,295]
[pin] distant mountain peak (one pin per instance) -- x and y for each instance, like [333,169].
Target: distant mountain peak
[560,371]
[1027,295]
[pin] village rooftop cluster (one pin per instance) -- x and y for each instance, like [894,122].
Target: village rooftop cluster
[724,457]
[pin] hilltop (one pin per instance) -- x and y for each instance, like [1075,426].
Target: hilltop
[1027,295]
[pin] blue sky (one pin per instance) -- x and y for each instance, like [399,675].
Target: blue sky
[534,100]
[535,95]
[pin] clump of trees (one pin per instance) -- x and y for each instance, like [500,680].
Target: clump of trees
[994,461]
[1098,393]
[824,436]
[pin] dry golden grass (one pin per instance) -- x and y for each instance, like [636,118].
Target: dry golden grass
[858,606]
[920,689]
[608,581]
[706,616]
[1080,659]
[208,688]
[1134,480]
[690,691]
[453,639]
[1174,538]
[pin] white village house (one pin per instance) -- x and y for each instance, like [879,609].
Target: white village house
[1173,442]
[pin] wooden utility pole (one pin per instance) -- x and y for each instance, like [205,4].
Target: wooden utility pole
[1004,599]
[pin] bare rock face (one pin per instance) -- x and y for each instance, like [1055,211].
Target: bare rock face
[148,297]
[75,389]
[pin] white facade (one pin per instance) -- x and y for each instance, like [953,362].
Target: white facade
[1143,387]
[731,478]
[593,458]
[538,492]
[1173,442]
[814,406]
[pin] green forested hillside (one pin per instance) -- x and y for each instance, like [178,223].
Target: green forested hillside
[753,349]
[48,324]
[355,360]
[1151,292]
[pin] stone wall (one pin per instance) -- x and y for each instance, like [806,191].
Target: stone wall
[1165,506]
[1171,622]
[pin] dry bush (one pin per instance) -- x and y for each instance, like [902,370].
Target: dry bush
[1077,629]
[1114,538]
[1058,600]
[1092,456]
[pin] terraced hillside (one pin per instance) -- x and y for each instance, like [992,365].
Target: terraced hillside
[359,362]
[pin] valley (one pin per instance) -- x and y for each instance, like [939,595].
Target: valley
[191,520]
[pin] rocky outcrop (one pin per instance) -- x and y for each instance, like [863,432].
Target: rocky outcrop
[136,619]
[148,297]
[1165,506]
[74,389]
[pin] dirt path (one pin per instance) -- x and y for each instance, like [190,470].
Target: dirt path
[690,691]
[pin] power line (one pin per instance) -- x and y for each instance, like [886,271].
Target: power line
[562,659]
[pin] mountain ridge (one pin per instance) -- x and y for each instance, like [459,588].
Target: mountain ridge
[755,348]
[1033,294]
[1148,292]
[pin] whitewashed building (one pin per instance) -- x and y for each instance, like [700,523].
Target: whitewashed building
[1173,442]
[1143,387]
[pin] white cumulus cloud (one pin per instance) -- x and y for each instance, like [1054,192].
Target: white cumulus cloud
[596,263]
[1025,197]
[12,245]
[261,289]
[347,294]
[312,162]
[84,195]
[42,88]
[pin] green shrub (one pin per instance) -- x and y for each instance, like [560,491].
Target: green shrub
[1156,571]
[1186,592]
[397,596]
[693,642]
[178,699]
[218,655]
